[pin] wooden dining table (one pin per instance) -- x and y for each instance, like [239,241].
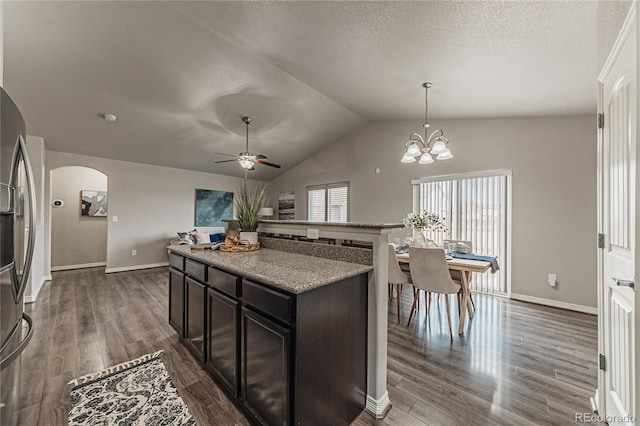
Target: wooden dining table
[466,267]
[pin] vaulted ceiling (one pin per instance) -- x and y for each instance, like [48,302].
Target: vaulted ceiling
[180,75]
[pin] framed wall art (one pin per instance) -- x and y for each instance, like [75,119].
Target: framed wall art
[93,203]
[286,205]
[212,206]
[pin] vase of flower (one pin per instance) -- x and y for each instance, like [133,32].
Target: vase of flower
[421,223]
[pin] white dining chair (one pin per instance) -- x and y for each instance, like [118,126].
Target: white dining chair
[397,276]
[429,272]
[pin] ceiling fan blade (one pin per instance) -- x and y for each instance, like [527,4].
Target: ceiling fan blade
[252,168]
[228,155]
[266,163]
[225,161]
[260,157]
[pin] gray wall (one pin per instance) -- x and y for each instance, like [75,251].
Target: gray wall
[610,17]
[554,189]
[76,239]
[152,204]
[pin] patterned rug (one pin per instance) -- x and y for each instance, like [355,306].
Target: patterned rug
[138,392]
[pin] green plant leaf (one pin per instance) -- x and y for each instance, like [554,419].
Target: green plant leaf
[248,204]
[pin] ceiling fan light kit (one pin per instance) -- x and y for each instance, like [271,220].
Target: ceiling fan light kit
[437,144]
[246,159]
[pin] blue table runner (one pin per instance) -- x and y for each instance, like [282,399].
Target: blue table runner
[470,256]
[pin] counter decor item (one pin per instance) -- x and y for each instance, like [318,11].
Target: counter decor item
[234,243]
[248,204]
[424,222]
[242,246]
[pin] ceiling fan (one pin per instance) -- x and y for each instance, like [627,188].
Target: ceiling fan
[246,159]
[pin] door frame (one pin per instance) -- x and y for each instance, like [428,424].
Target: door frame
[599,400]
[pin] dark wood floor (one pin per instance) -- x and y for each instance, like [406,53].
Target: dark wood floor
[517,364]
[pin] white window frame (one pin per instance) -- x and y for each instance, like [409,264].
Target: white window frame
[326,187]
[415,183]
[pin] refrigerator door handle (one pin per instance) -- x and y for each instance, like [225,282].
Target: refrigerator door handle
[23,344]
[21,150]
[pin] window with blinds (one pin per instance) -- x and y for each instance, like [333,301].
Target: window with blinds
[328,203]
[475,208]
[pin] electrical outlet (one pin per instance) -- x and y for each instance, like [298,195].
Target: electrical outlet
[552,280]
[134,252]
[114,219]
[313,234]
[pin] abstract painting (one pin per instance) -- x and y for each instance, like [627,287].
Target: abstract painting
[286,206]
[93,203]
[212,206]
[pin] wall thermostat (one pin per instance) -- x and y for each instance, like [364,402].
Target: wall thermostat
[57,203]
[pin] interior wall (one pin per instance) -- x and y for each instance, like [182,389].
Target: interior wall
[554,189]
[151,203]
[76,240]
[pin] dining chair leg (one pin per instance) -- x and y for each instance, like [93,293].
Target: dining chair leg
[399,292]
[446,301]
[459,297]
[472,303]
[413,306]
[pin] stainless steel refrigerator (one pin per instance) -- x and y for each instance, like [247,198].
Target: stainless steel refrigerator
[17,238]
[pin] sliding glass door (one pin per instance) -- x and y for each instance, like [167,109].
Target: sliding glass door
[475,207]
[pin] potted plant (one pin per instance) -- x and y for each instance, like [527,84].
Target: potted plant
[248,203]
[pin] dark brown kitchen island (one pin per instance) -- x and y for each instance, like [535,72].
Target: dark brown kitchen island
[283,334]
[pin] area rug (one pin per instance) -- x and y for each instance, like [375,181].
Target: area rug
[138,392]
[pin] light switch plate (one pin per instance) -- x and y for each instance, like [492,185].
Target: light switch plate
[552,280]
[114,219]
[313,234]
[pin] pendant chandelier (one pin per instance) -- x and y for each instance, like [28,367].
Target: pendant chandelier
[436,144]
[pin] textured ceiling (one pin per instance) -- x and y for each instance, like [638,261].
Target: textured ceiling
[180,75]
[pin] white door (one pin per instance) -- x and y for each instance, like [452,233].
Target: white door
[618,202]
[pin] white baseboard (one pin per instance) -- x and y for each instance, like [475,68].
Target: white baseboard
[135,267]
[555,303]
[78,266]
[378,407]
[32,297]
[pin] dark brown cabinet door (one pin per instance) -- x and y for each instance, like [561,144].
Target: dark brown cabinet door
[176,301]
[266,351]
[196,303]
[222,355]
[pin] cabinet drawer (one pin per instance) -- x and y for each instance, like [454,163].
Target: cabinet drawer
[225,282]
[176,261]
[196,270]
[271,302]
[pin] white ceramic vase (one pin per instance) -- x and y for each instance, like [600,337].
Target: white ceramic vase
[419,239]
[250,237]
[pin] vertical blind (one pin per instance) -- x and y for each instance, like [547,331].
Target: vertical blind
[328,203]
[475,210]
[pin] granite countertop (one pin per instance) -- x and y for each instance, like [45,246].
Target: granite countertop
[340,224]
[291,272]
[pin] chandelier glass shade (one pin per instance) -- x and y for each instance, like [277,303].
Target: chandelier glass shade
[437,144]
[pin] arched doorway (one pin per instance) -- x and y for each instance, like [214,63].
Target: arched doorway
[79,206]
